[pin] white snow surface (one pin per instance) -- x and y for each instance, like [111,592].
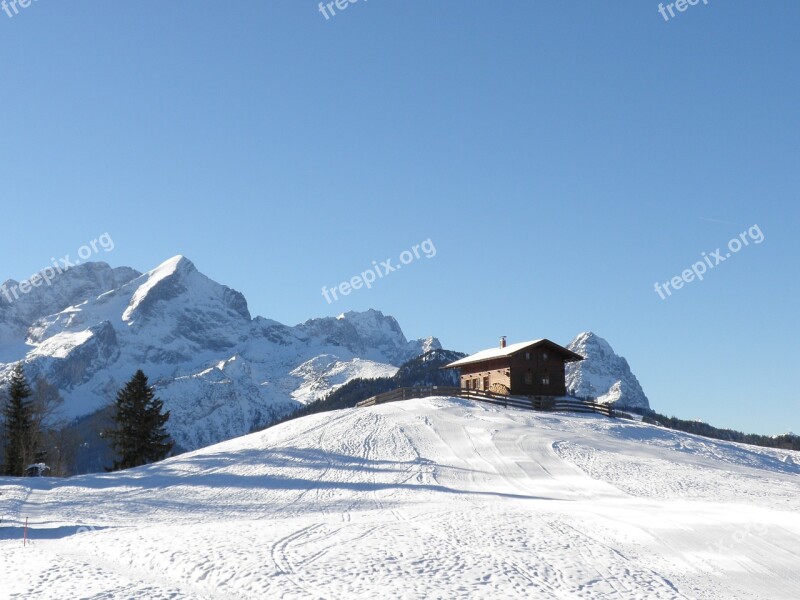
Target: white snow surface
[430,498]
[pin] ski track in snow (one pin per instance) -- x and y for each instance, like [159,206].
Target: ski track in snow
[431,498]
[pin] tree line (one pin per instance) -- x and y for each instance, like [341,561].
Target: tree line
[35,441]
[651,417]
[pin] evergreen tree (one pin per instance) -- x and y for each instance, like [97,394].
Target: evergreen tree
[139,436]
[18,424]
[45,403]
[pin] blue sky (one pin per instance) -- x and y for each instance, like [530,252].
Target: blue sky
[563,157]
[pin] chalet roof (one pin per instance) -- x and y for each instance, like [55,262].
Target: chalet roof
[495,353]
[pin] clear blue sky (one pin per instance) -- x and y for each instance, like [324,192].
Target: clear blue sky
[562,156]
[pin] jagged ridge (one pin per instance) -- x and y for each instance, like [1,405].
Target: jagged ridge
[220,372]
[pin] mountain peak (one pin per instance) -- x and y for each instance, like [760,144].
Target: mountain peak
[369,334]
[589,338]
[177,264]
[154,281]
[603,374]
[370,318]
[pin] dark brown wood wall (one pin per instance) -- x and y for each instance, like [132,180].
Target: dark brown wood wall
[554,366]
[518,365]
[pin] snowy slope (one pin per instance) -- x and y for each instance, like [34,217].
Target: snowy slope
[220,372]
[603,374]
[432,498]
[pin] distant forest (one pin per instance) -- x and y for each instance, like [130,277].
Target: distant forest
[784,442]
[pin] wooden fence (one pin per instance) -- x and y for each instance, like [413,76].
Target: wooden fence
[525,402]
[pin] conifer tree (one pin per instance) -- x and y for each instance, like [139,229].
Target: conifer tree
[18,424]
[139,436]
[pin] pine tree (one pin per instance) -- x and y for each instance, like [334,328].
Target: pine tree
[139,436]
[18,424]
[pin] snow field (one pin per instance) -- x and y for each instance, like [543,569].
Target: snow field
[431,498]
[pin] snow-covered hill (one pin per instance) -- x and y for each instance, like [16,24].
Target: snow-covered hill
[431,498]
[603,374]
[220,372]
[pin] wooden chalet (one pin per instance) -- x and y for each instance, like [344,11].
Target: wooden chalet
[535,368]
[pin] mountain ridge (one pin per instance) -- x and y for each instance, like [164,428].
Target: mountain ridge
[220,371]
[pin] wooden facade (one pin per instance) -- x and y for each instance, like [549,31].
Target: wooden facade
[536,368]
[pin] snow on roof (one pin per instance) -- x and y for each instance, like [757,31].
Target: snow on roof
[493,353]
[498,352]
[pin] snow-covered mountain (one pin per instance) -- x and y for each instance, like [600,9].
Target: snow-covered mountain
[220,372]
[603,374]
[18,311]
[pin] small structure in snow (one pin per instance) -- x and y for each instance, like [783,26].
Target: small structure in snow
[36,470]
[535,368]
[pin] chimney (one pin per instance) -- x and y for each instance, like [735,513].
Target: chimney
[503,341]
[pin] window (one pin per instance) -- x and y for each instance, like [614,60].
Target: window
[486,384]
[544,355]
[527,356]
[528,378]
[546,378]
